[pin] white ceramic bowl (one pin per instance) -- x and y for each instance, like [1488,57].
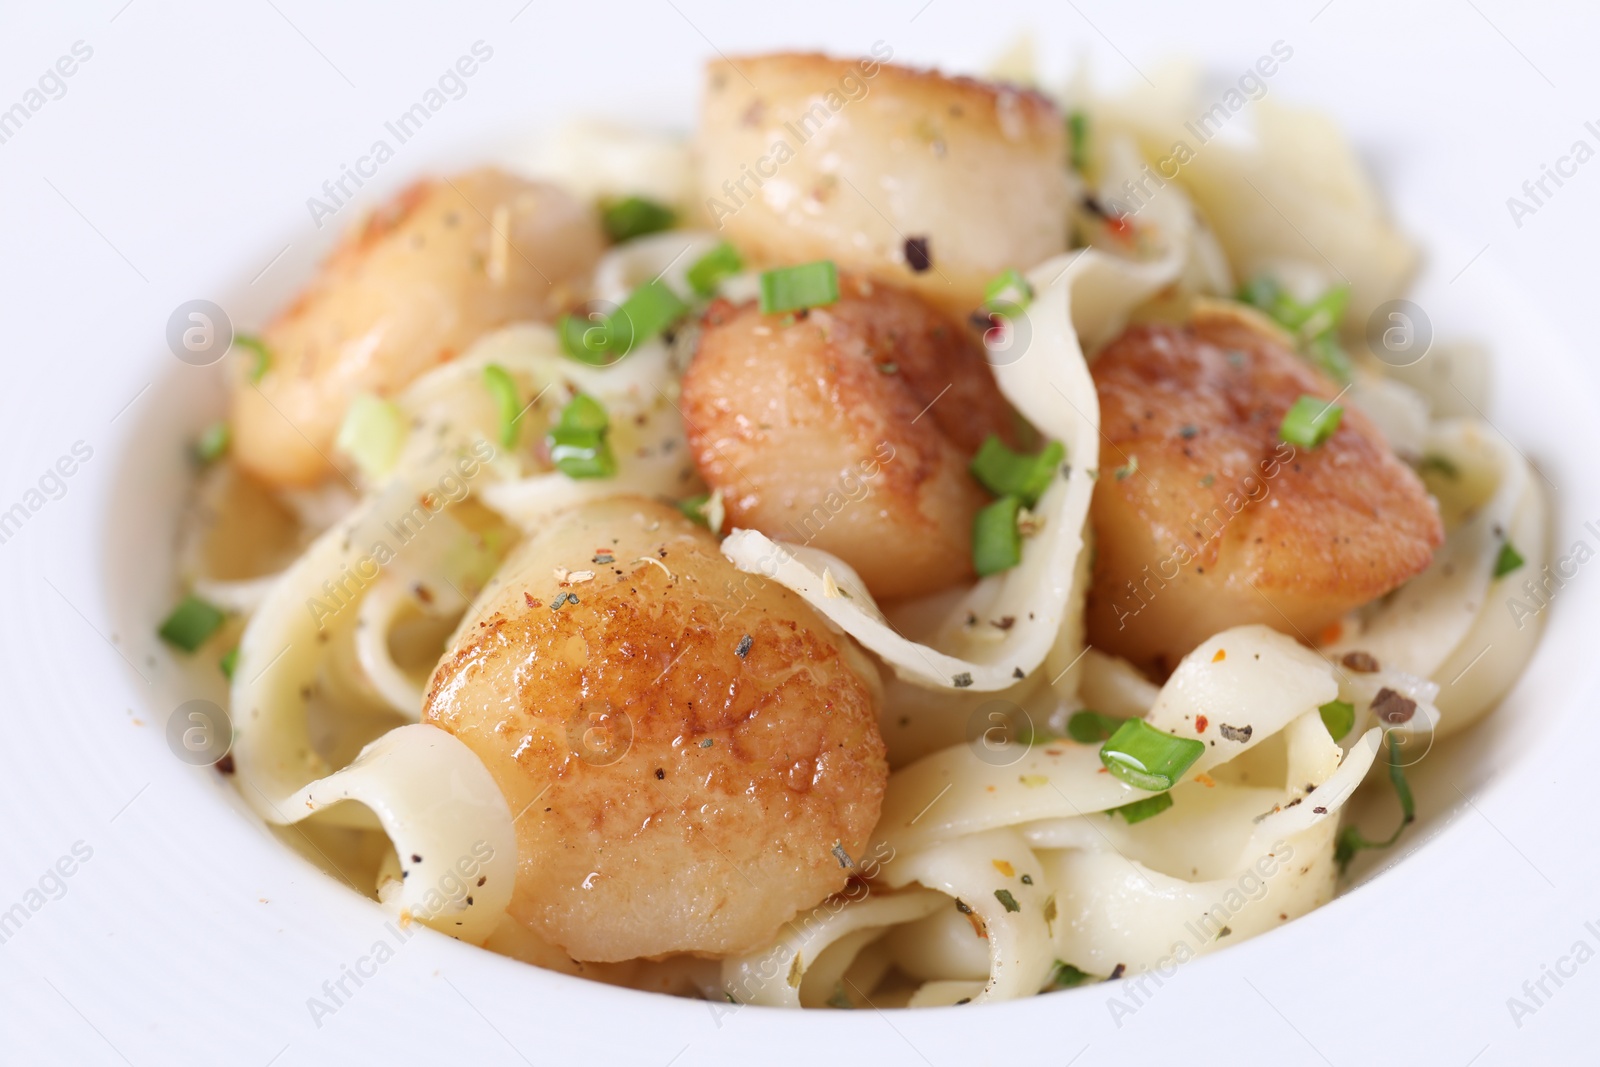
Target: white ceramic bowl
[176,164]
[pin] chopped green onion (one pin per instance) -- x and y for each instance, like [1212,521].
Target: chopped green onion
[585,339]
[212,444]
[1091,727]
[1439,463]
[705,509]
[1146,758]
[1508,560]
[1351,840]
[504,390]
[635,217]
[191,623]
[1010,287]
[1316,324]
[648,310]
[996,541]
[1007,901]
[1338,716]
[229,662]
[1311,421]
[1078,140]
[1065,976]
[1326,354]
[709,270]
[577,442]
[1007,473]
[1148,808]
[263,355]
[372,433]
[806,286]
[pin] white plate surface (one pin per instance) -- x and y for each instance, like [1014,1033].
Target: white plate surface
[176,164]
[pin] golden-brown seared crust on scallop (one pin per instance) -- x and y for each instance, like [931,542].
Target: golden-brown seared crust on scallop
[1205,519]
[809,157]
[414,285]
[848,428]
[691,754]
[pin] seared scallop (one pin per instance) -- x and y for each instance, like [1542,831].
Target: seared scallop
[904,175]
[691,755]
[437,267]
[848,428]
[1204,519]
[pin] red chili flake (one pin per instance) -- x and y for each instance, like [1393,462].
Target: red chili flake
[532,603]
[1120,228]
[1200,724]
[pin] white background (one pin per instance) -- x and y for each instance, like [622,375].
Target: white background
[177,165]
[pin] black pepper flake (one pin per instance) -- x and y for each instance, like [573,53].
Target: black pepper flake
[1004,622]
[1361,662]
[1027,879]
[707,743]
[482,878]
[1224,932]
[661,775]
[563,598]
[918,257]
[1188,432]
[964,1000]
[1240,734]
[1320,811]
[744,646]
[415,858]
[1117,972]
[605,557]
[1392,707]
[962,680]
[469,900]
[1016,672]
[842,856]
[225,764]
[962,907]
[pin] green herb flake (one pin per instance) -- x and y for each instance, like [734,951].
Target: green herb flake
[1352,840]
[1006,900]
[263,355]
[636,216]
[1146,758]
[805,286]
[503,388]
[191,623]
[1007,473]
[1310,422]
[1065,976]
[996,540]
[1090,727]
[1148,808]
[1508,560]
[1338,716]
[577,442]
[212,444]
[229,662]
[1078,140]
[710,270]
